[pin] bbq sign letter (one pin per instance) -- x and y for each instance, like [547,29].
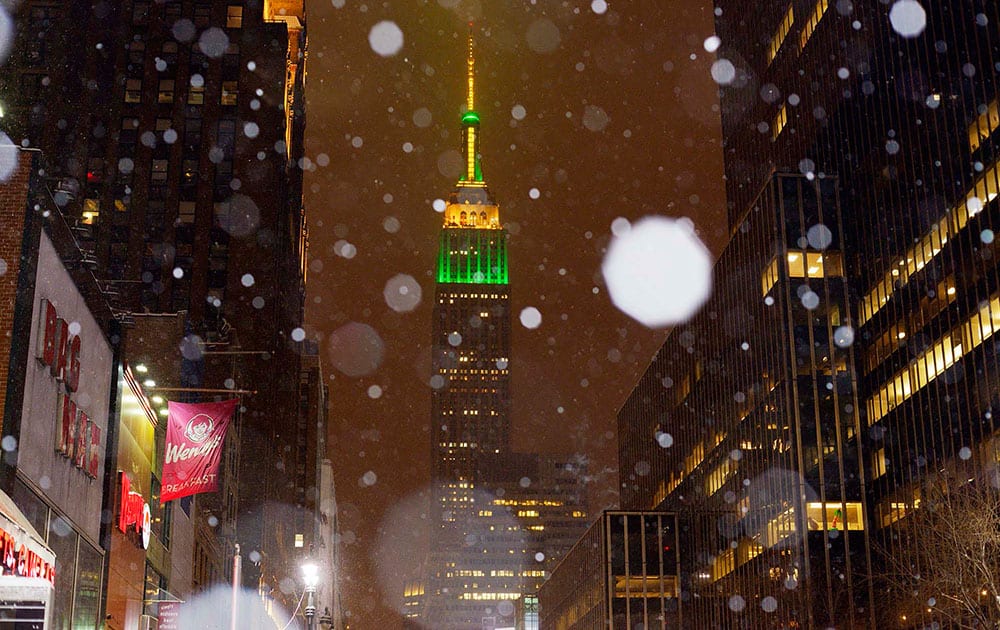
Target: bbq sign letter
[78,437]
[195,435]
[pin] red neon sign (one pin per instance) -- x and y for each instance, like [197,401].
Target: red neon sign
[133,511]
[18,559]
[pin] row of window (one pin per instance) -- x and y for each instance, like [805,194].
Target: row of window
[937,358]
[165,92]
[785,26]
[983,191]
[202,13]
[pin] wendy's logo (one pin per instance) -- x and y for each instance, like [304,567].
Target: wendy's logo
[199,428]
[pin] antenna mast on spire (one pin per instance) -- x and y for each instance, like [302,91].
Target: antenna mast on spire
[470,100]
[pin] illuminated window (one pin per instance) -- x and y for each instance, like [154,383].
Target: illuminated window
[718,477]
[769,277]
[933,361]
[894,508]
[229,93]
[779,528]
[779,122]
[234,16]
[527,513]
[779,36]
[133,90]
[196,95]
[694,459]
[299,540]
[830,516]
[916,258]
[723,564]
[984,126]
[91,211]
[818,12]
[166,93]
[879,464]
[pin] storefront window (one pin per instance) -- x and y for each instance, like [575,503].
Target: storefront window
[89,566]
[31,506]
[62,540]
[154,592]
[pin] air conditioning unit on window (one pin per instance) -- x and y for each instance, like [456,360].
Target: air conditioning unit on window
[147,622]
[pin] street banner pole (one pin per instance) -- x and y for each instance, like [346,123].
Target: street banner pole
[237,568]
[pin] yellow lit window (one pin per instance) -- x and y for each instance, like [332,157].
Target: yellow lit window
[718,477]
[818,12]
[779,528]
[229,93]
[893,509]
[91,212]
[299,540]
[723,564]
[814,264]
[779,36]
[984,126]
[933,361]
[166,93]
[878,463]
[779,122]
[796,265]
[196,95]
[769,277]
[916,258]
[527,513]
[133,90]
[694,458]
[234,16]
[820,516]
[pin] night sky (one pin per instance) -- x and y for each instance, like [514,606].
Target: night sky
[618,121]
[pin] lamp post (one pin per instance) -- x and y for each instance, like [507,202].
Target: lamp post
[310,577]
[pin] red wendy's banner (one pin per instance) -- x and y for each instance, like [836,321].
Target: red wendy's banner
[195,433]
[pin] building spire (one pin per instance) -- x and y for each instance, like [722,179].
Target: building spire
[470,123]
[470,100]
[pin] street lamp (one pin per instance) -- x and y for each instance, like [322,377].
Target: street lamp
[310,577]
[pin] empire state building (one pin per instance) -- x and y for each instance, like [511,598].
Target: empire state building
[500,519]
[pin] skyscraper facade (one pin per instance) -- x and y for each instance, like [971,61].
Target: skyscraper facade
[865,135]
[500,519]
[470,408]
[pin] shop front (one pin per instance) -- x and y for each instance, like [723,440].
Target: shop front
[27,570]
[132,533]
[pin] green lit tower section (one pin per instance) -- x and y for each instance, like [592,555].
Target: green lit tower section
[470,400]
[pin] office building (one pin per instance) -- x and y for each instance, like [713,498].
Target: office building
[623,573]
[862,184]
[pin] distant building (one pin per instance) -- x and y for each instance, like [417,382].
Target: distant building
[623,573]
[500,519]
